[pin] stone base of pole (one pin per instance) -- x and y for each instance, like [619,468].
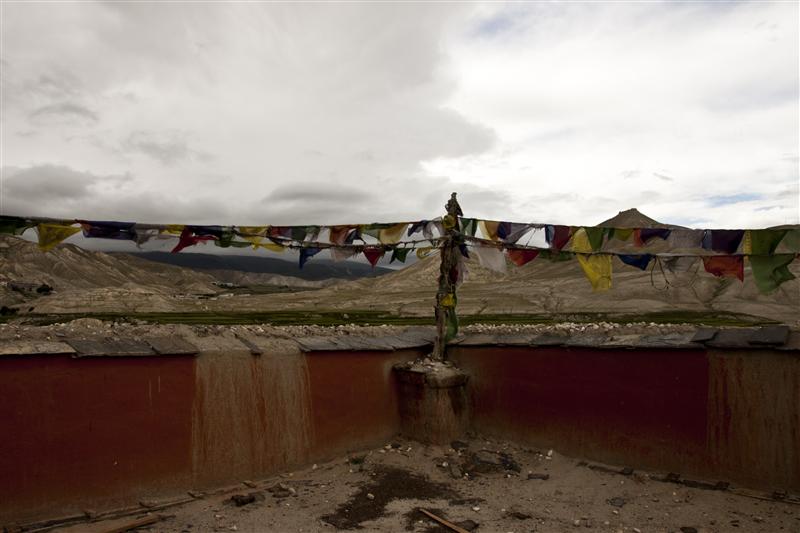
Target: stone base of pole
[434,406]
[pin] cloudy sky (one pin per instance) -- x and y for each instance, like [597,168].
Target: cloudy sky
[254,113]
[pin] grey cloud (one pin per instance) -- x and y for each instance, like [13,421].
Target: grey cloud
[317,193]
[169,147]
[663,177]
[46,182]
[63,112]
[55,85]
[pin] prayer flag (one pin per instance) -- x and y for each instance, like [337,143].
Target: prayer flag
[373,254]
[392,234]
[557,236]
[52,233]
[123,231]
[597,268]
[14,225]
[723,240]
[729,266]
[521,256]
[188,238]
[769,271]
[399,254]
[641,236]
[491,258]
[639,261]
[307,253]
[489,229]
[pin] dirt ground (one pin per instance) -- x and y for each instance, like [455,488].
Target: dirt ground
[480,485]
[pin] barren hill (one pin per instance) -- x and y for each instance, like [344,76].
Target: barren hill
[77,273]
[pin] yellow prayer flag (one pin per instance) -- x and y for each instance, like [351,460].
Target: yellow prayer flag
[580,242]
[623,234]
[51,235]
[747,243]
[253,234]
[174,229]
[424,252]
[597,268]
[271,246]
[392,234]
[489,229]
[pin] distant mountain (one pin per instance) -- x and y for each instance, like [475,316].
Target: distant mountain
[316,269]
[633,218]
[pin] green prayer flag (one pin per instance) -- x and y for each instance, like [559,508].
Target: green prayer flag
[451,323]
[399,254]
[765,241]
[469,226]
[555,256]
[14,225]
[595,236]
[769,271]
[791,241]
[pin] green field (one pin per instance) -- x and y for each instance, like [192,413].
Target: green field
[369,318]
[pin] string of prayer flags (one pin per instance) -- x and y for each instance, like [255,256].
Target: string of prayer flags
[521,256]
[399,254]
[373,254]
[557,236]
[728,266]
[639,261]
[642,235]
[14,225]
[52,233]
[307,253]
[723,240]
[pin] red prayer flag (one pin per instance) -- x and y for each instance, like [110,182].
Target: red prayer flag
[520,257]
[373,254]
[731,266]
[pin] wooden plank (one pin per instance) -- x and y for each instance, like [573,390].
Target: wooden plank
[442,521]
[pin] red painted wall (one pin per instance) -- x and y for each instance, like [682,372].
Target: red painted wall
[353,399]
[92,433]
[724,416]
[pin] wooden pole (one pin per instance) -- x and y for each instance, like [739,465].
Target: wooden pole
[445,310]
